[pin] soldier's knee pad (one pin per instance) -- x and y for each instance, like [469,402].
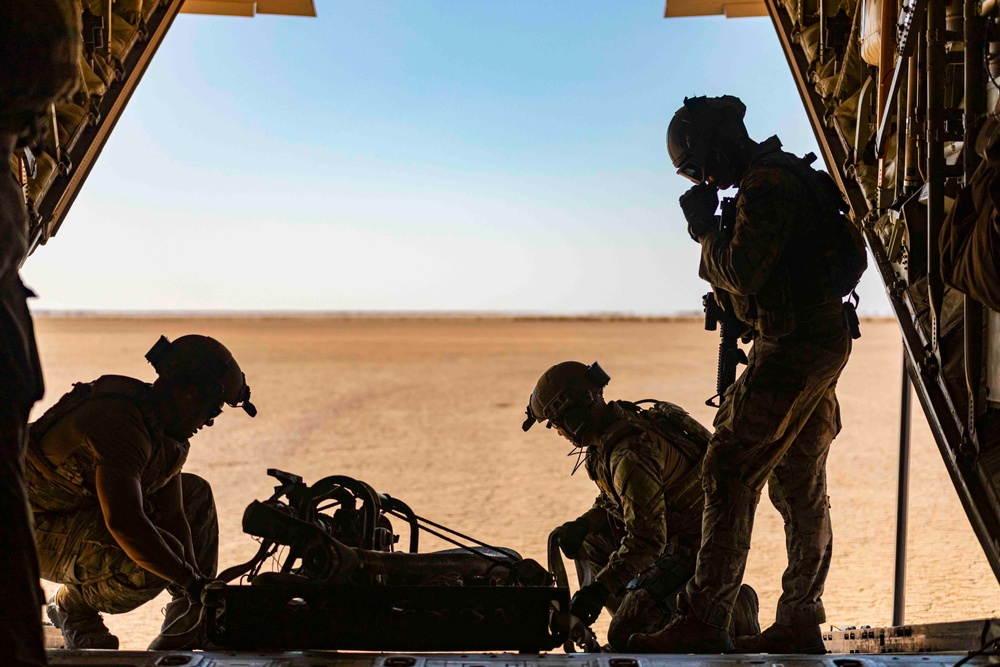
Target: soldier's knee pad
[198,496]
[196,485]
[199,507]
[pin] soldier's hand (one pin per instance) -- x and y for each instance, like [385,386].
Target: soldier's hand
[194,587]
[588,602]
[571,536]
[699,204]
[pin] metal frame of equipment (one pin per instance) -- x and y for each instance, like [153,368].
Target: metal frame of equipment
[340,585]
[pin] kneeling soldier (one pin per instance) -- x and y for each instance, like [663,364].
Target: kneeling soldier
[116,520]
[643,532]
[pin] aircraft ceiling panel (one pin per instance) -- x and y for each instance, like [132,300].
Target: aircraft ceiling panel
[286,7]
[678,8]
[250,7]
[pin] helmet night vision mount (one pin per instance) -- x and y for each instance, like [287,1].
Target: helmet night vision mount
[563,396]
[204,362]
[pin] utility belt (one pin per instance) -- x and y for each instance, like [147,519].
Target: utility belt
[815,320]
[820,319]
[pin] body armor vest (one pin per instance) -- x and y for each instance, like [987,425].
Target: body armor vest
[823,257]
[69,486]
[684,498]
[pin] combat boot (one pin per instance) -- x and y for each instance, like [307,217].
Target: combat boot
[80,629]
[684,634]
[746,610]
[784,639]
[182,627]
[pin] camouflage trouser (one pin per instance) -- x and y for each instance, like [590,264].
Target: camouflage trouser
[775,426]
[76,550]
[650,602]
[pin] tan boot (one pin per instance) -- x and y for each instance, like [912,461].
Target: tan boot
[745,612]
[685,634]
[81,629]
[182,627]
[784,639]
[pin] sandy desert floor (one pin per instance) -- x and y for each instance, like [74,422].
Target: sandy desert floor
[429,410]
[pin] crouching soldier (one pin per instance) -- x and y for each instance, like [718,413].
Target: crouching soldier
[643,532]
[116,520]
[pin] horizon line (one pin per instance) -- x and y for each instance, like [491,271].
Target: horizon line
[608,316]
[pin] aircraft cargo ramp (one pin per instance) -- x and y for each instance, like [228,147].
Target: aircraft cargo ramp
[320,659]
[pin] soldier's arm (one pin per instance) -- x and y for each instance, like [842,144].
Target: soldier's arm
[597,516]
[173,520]
[120,496]
[765,213]
[637,482]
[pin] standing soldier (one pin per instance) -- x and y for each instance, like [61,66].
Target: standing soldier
[39,59]
[116,520]
[785,264]
[642,533]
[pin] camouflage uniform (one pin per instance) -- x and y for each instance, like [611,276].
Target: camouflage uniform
[76,549]
[647,518]
[39,55]
[74,545]
[781,415]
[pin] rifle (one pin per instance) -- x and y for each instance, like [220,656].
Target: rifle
[719,314]
[721,317]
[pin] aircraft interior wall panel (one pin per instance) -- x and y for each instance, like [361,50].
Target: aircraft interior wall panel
[993,358]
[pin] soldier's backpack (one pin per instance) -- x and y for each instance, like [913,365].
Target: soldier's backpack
[838,239]
[674,424]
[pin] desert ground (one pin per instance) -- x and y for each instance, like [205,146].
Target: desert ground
[429,410]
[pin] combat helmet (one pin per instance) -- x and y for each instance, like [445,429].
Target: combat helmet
[563,396]
[694,132]
[204,362]
[40,43]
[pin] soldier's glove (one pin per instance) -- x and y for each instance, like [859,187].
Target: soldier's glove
[588,602]
[571,536]
[699,205]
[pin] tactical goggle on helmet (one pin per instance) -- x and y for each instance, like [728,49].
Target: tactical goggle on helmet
[693,130]
[688,159]
[207,364]
[563,395]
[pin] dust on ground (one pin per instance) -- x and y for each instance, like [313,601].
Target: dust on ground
[429,410]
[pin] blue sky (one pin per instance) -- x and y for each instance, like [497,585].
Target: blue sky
[419,156]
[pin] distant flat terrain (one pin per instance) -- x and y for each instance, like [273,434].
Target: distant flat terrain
[429,410]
